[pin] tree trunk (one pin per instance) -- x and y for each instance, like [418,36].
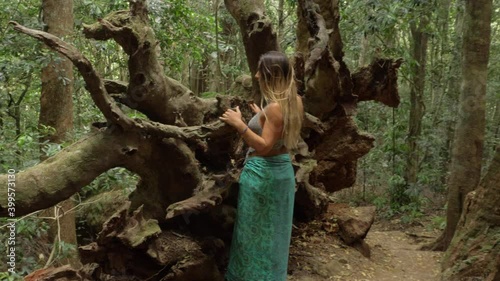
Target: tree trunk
[56,101]
[2,116]
[465,170]
[281,21]
[440,50]
[256,32]
[453,86]
[417,89]
[365,48]
[474,251]
[218,75]
[56,111]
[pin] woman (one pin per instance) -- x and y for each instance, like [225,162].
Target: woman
[263,226]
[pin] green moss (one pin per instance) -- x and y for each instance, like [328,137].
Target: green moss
[208,95]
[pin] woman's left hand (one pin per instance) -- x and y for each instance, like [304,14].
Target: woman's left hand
[232,117]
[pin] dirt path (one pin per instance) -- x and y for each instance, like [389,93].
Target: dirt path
[396,257]
[319,255]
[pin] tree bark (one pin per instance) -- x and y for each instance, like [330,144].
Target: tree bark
[56,111]
[281,21]
[465,170]
[474,251]
[417,88]
[56,101]
[453,85]
[331,93]
[257,34]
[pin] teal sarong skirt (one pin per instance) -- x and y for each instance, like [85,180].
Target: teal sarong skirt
[263,226]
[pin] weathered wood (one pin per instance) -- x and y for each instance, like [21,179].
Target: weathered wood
[337,152]
[378,82]
[130,245]
[63,273]
[103,100]
[212,193]
[327,79]
[257,33]
[310,202]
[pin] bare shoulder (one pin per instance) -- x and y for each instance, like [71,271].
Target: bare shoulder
[273,107]
[273,112]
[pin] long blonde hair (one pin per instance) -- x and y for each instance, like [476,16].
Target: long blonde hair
[277,84]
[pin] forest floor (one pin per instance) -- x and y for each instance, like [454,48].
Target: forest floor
[319,254]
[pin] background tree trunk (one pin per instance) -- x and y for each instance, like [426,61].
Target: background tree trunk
[56,111]
[474,251]
[467,152]
[281,21]
[453,85]
[56,101]
[417,88]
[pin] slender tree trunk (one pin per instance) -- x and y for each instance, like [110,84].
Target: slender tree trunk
[453,87]
[2,116]
[56,111]
[363,53]
[17,118]
[495,124]
[364,56]
[281,21]
[444,74]
[465,170]
[440,49]
[219,75]
[417,107]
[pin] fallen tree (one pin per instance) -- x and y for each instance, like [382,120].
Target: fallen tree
[180,215]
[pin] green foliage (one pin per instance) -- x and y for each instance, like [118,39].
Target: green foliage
[115,178]
[30,232]
[397,191]
[182,28]
[288,36]
[90,10]
[384,166]
[7,276]
[438,222]
[381,202]
[207,95]
[63,250]
[27,148]
[411,212]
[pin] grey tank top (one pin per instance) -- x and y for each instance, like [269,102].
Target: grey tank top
[254,125]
